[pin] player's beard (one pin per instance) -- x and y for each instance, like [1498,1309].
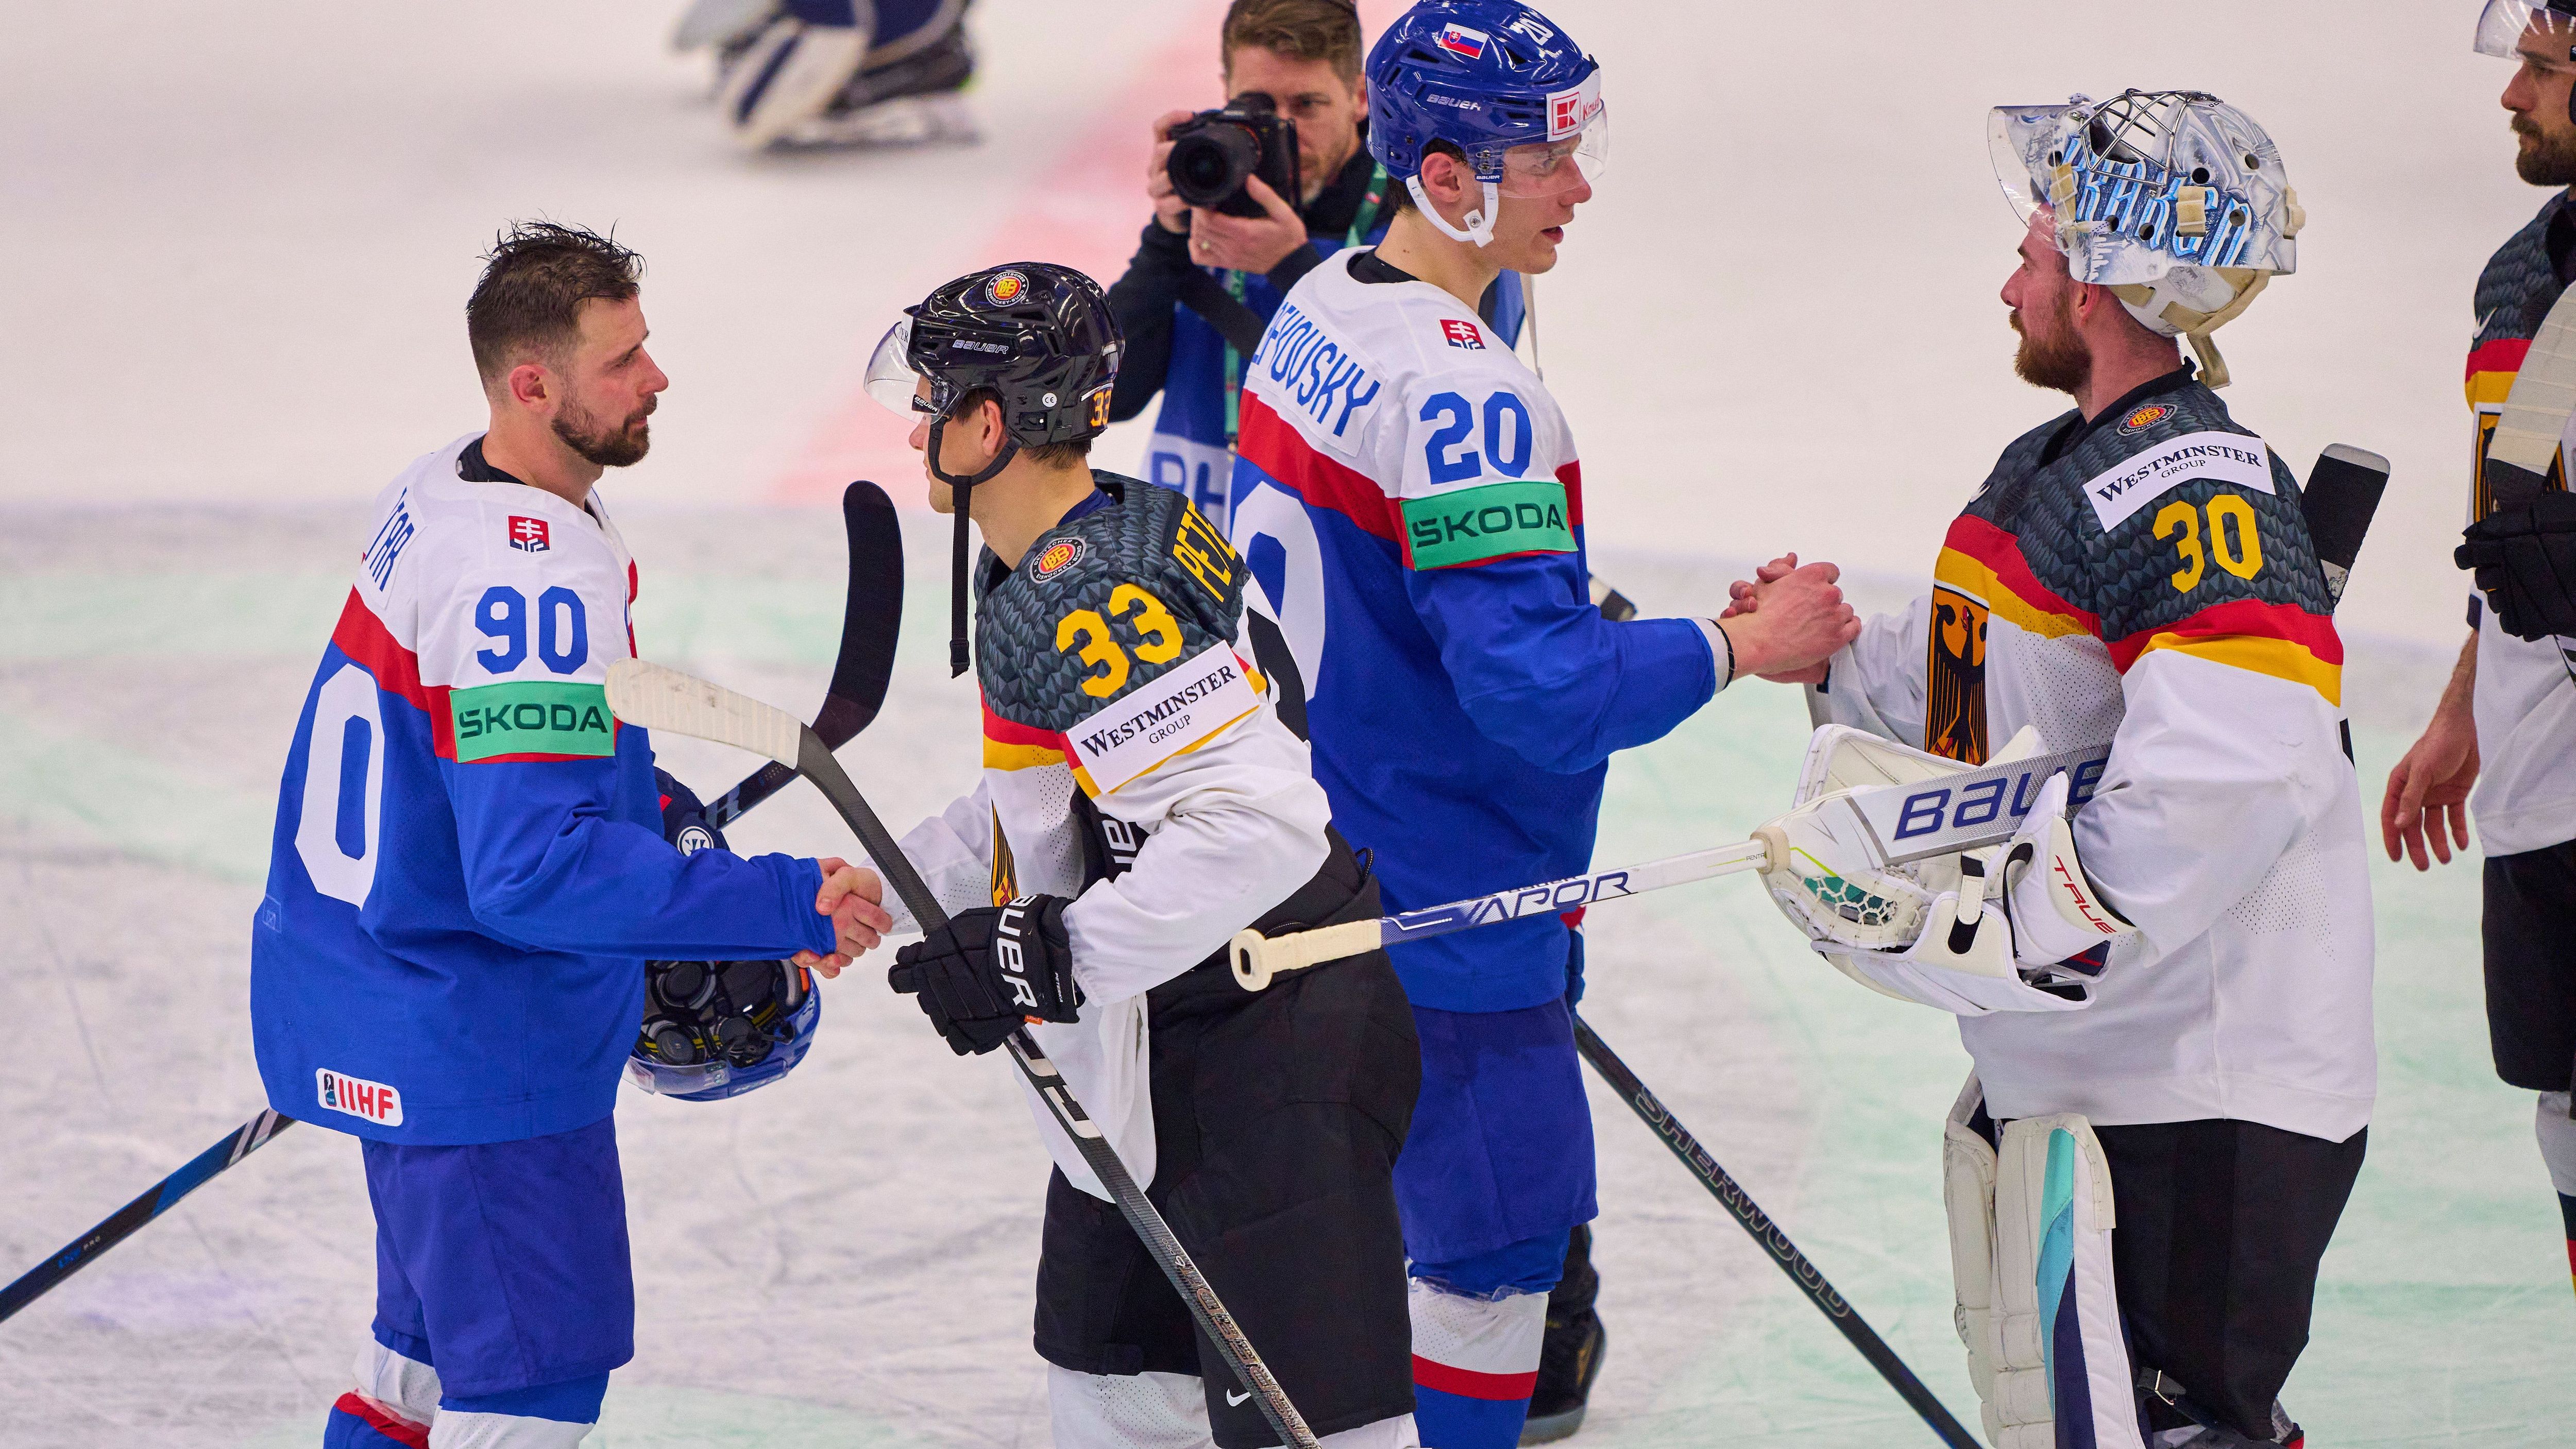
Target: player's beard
[2059,360]
[2544,160]
[621,446]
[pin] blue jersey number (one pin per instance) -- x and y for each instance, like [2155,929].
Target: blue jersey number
[563,629]
[1509,437]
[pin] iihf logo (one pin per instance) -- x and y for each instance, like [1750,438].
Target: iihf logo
[529,535]
[373,1101]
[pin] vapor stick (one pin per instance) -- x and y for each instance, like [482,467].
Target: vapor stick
[661,698]
[1731,1194]
[119,1225]
[871,617]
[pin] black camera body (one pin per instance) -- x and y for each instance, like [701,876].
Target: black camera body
[1214,152]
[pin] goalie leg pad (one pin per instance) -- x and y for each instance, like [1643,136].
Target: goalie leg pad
[2030,1253]
[791,72]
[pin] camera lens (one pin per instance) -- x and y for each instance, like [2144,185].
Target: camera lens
[1209,165]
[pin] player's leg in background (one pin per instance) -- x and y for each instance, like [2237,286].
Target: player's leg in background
[2529,928]
[397,1392]
[2222,1225]
[791,71]
[1496,1174]
[512,1262]
[1569,1357]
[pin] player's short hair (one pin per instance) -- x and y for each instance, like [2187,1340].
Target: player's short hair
[534,281]
[1327,30]
[1050,455]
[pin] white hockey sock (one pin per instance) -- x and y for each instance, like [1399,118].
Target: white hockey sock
[1476,1348]
[403,1388]
[460,1429]
[2557,1136]
[1126,1411]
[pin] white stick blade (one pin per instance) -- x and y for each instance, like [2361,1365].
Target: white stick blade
[658,697]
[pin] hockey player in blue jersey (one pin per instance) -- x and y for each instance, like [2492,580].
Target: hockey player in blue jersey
[1409,498]
[469,871]
[1207,278]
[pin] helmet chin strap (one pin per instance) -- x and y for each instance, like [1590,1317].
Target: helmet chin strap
[1480,222]
[957,581]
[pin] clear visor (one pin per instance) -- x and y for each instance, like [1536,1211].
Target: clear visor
[2520,30]
[671,1081]
[891,380]
[2018,139]
[1548,168]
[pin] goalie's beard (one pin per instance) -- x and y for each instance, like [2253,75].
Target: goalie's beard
[2055,357]
[961,490]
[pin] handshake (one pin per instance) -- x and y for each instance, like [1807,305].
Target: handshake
[1786,624]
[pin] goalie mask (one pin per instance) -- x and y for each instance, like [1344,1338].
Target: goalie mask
[2174,200]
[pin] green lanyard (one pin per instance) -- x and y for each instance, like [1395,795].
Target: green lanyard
[1360,223]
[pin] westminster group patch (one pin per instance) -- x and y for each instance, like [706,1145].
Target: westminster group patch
[2133,483]
[1183,706]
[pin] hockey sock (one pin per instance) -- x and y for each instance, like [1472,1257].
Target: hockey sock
[2557,1133]
[1477,1327]
[396,1397]
[547,1416]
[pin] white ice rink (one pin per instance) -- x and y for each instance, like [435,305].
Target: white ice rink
[235,244]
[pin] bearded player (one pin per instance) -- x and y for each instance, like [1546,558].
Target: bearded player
[2135,580]
[1409,497]
[1141,802]
[2511,705]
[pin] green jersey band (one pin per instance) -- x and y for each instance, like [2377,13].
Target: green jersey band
[530,718]
[1475,524]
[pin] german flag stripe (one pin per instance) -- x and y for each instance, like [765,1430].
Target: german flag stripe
[1009,745]
[1985,563]
[2492,368]
[2280,640]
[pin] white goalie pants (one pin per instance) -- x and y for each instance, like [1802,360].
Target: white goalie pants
[1169,1411]
[2030,1256]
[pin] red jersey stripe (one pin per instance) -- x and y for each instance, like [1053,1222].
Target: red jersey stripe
[1274,445]
[2000,553]
[365,639]
[2242,618]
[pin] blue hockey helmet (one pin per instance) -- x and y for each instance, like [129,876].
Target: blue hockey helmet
[1500,82]
[718,1029]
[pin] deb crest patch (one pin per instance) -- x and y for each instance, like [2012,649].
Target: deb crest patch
[1459,332]
[2142,418]
[530,535]
[1004,288]
[358,1097]
[1058,556]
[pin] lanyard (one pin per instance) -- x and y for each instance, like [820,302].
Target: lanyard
[1361,221]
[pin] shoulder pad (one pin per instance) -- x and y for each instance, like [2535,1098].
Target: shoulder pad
[1103,605]
[2153,519]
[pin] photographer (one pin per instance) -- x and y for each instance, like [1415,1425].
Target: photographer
[1203,282]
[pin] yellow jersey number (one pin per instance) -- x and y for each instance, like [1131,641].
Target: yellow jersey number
[1086,635]
[2233,539]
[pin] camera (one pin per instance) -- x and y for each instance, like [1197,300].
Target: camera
[1214,152]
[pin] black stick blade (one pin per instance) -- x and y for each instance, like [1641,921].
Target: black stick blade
[871,618]
[2342,496]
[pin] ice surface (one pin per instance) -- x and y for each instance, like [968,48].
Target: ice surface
[237,244]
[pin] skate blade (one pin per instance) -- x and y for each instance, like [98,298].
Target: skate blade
[901,122]
[1549,1428]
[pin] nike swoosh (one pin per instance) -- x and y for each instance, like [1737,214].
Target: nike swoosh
[1234,1400]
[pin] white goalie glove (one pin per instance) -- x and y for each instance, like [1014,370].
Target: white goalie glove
[1989,930]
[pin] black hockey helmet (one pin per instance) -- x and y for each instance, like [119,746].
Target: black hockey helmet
[1039,336]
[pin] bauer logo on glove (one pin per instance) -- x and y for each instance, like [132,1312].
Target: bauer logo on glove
[987,971]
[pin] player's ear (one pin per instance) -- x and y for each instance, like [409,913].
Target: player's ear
[528,385]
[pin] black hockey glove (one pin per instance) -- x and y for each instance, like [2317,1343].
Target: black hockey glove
[990,969]
[684,817]
[2525,563]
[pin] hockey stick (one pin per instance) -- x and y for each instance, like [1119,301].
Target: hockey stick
[871,618]
[119,1225]
[1732,1196]
[661,698]
[2524,451]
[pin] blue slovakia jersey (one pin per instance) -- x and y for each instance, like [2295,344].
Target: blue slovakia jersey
[468,869]
[1408,497]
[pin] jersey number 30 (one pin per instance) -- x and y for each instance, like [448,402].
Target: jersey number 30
[2241,555]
